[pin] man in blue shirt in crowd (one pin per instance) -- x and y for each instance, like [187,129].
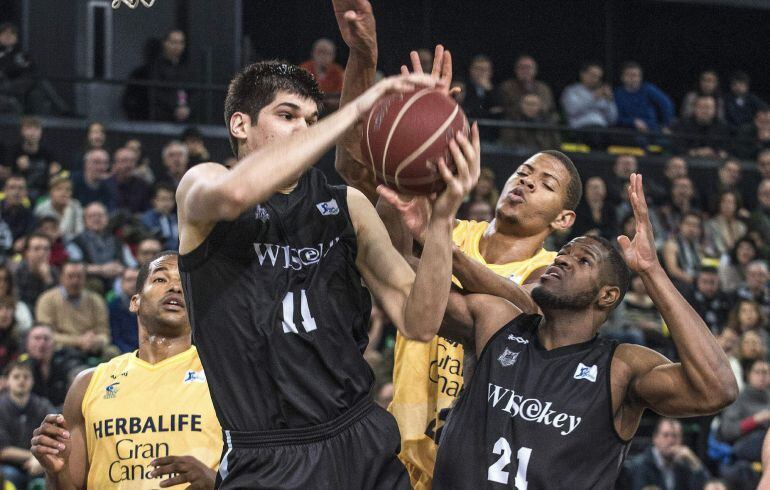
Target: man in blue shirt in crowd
[641,105]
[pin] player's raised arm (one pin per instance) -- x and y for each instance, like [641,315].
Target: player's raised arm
[357,26]
[703,382]
[416,302]
[59,444]
[210,193]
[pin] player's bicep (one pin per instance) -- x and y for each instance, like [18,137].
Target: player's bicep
[385,272]
[73,415]
[661,385]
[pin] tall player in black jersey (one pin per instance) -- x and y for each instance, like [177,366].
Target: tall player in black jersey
[551,405]
[273,264]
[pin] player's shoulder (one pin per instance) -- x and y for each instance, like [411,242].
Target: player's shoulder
[200,172]
[81,383]
[633,360]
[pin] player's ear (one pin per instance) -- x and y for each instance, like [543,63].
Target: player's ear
[564,220]
[608,297]
[133,307]
[239,125]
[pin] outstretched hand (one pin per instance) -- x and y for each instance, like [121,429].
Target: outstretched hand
[357,26]
[441,71]
[466,155]
[640,253]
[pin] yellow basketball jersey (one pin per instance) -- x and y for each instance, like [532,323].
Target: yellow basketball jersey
[427,377]
[135,412]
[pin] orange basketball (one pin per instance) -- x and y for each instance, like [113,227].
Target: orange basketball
[405,135]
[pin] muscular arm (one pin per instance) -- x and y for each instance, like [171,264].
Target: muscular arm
[476,278]
[702,383]
[357,26]
[74,473]
[413,301]
[209,193]
[473,319]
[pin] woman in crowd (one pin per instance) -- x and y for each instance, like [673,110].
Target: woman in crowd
[9,336]
[62,206]
[747,315]
[732,266]
[22,315]
[96,139]
[595,215]
[725,229]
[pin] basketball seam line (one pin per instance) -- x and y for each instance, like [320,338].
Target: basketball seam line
[396,121]
[369,142]
[425,145]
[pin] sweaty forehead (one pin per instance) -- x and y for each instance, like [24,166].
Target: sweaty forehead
[168,262]
[586,244]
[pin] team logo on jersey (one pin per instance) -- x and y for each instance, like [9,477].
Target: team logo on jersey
[260,212]
[111,390]
[194,377]
[586,372]
[518,339]
[508,358]
[328,208]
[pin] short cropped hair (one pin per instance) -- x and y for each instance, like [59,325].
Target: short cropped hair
[144,271]
[255,86]
[575,185]
[614,268]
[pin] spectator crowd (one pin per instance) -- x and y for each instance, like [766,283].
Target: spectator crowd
[74,229]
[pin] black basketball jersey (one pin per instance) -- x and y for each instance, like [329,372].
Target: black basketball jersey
[532,418]
[279,311]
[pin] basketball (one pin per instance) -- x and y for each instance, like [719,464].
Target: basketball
[405,135]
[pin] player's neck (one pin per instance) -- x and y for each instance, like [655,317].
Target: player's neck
[155,348]
[560,328]
[499,246]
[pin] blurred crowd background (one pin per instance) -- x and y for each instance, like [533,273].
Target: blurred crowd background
[94,138]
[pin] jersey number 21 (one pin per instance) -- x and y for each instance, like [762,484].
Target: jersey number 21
[496,472]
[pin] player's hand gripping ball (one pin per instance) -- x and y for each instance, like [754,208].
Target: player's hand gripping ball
[405,135]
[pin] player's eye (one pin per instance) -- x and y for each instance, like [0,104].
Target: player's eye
[159,279]
[550,188]
[585,261]
[286,116]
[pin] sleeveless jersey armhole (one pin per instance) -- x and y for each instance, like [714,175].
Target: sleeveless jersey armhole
[89,390]
[609,398]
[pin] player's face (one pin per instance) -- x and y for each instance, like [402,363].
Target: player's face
[573,281]
[161,306]
[286,115]
[534,195]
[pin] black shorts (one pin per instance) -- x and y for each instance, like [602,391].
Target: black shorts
[358,450]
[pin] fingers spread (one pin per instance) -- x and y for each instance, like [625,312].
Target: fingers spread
[438,56]
[415,58]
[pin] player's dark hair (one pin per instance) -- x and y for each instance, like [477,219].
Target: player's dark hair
[144,271]
[615,270]
[575,185]
[256,85]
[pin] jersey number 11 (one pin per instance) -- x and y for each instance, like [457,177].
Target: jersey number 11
[307,321]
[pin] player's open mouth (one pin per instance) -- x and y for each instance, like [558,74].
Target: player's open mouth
[517,195]
[552,272]
[174,302]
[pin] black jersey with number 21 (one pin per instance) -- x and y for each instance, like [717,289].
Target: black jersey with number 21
[532,418]
[279,312]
